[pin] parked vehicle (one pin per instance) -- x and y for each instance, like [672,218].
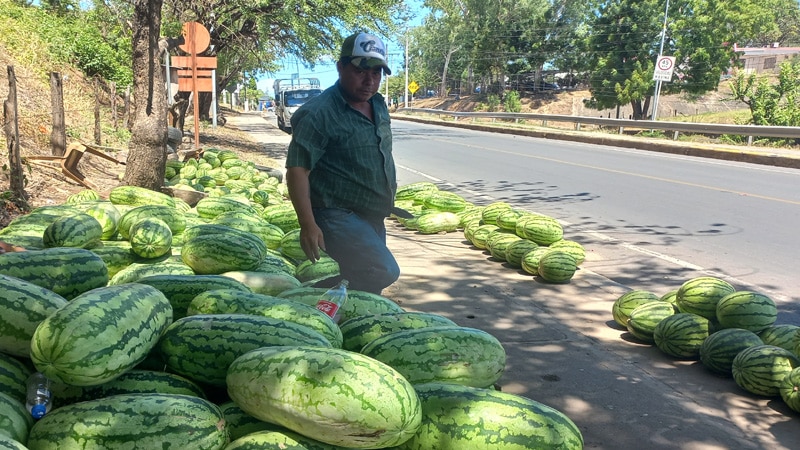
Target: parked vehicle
[290,94]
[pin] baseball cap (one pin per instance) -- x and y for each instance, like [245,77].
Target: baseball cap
[366,51]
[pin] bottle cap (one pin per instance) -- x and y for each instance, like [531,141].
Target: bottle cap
[38,411]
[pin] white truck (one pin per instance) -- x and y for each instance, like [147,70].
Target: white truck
[290,94]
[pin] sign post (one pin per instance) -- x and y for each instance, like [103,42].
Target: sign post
[665,65]
[413,87]
[195,73]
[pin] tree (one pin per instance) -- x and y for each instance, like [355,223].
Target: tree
[771,104]
[148,145]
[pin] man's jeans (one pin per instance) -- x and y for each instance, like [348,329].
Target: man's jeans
[358,244]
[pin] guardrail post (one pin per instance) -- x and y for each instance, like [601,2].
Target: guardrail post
[577,126]
[674,135]
[749,140]
[621,130]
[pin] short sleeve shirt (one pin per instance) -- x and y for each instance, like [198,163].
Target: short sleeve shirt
[349,157]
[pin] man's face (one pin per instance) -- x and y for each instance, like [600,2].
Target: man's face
[358,85]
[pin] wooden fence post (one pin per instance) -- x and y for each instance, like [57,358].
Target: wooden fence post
[97,135]
[114,103]
[58,136]
[11,130]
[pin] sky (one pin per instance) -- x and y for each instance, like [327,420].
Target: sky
[325,71]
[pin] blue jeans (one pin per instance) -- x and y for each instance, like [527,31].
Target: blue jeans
[358,244]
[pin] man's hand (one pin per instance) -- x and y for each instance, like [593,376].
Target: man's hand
[311,241]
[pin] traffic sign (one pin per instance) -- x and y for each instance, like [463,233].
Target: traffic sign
[665,65]
[413,87]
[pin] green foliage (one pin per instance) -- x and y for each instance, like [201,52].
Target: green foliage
[512,102]
[492,102]
[771,104]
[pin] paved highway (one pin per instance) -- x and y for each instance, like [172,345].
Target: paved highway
[649,220]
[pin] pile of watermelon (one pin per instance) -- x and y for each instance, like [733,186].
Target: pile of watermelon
[168,325]
[523,240]
[732,332]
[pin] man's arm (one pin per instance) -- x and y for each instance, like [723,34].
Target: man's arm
[311,239]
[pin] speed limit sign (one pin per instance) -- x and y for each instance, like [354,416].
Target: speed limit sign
[664,68]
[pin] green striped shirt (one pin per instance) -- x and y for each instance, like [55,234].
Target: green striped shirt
[350,157]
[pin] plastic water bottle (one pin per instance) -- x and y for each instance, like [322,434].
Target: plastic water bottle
[38,399]
[333,299]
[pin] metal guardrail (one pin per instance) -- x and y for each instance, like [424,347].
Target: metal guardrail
[750,131]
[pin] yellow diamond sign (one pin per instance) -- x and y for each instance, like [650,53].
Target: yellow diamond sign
[413,87]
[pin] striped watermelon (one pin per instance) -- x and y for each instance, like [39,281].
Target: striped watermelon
[9,443]
[445,201]
[461,417]
[78,230]
[213,254]
[530,260]
[222,301]
[266,283]
[174,219]
[138,196]
[557,266]
[681,335]
[239,423]
[323,268]
[211,207]
[438,222]
[644,318]
[180,290]
[498,241]
[507,219]
[517,249]
[492,211]
[367,404]
[283,440]
[150,421]
[135,381]
[761,369]
[150,238]
[671,296]
[449,354]
[13,377]
[701,295]
[572,247]
[359,303]
[15,420]
[627,302]
[784,336]
[290,246]
[407,192]
[137,271]
[23,305]
[108,216]
[719,349]
[269,233]
[481,235]
[100,334]
[202,347]
[544,230]
[282,215]
[86,195]
[749,310]
[360,331]
[790,389]
[66,271]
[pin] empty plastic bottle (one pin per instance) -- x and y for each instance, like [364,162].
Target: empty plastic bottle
[39,397]
[333,299]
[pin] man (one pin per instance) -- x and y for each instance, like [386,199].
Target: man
[340,170]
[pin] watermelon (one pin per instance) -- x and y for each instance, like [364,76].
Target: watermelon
[173,218]
[449,354]
[100,334]
[136,271]
[239,423]
[701,295]
[498,242]
[266,283]
[671,296]
[627,302]
[138,196]
[530,260]
[507,219]
[146,421]
[438,222]
[201,347]
[150,238]
[9,443]
[282,215]
[544,230]
[213,254]
[789,389]
[491,211]
[761,369]
[222,301]
[135,381]
[24,305]
[180,290]
[78,230]
[744,309]
[359,303]
[108,216]
[557,266]
[324,267]
[517,249]
[481,235]
[66,271]
[461,417]
[15,420]
[330,395]
[360,331]
[681,335]
[644,318]
[407,192]
[269,233]
[572,247]
[13,377]
[211,207]
[116,257]
[719,349]
[445,201]
[784,335]
[283,440]
[86,195]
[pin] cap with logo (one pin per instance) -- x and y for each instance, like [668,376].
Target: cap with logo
[366,51]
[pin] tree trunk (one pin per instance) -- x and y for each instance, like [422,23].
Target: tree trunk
[147,151]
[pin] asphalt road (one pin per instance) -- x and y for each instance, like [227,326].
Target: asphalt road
[694,215]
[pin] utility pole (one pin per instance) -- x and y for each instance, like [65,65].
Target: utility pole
[660,52]
[405,94]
